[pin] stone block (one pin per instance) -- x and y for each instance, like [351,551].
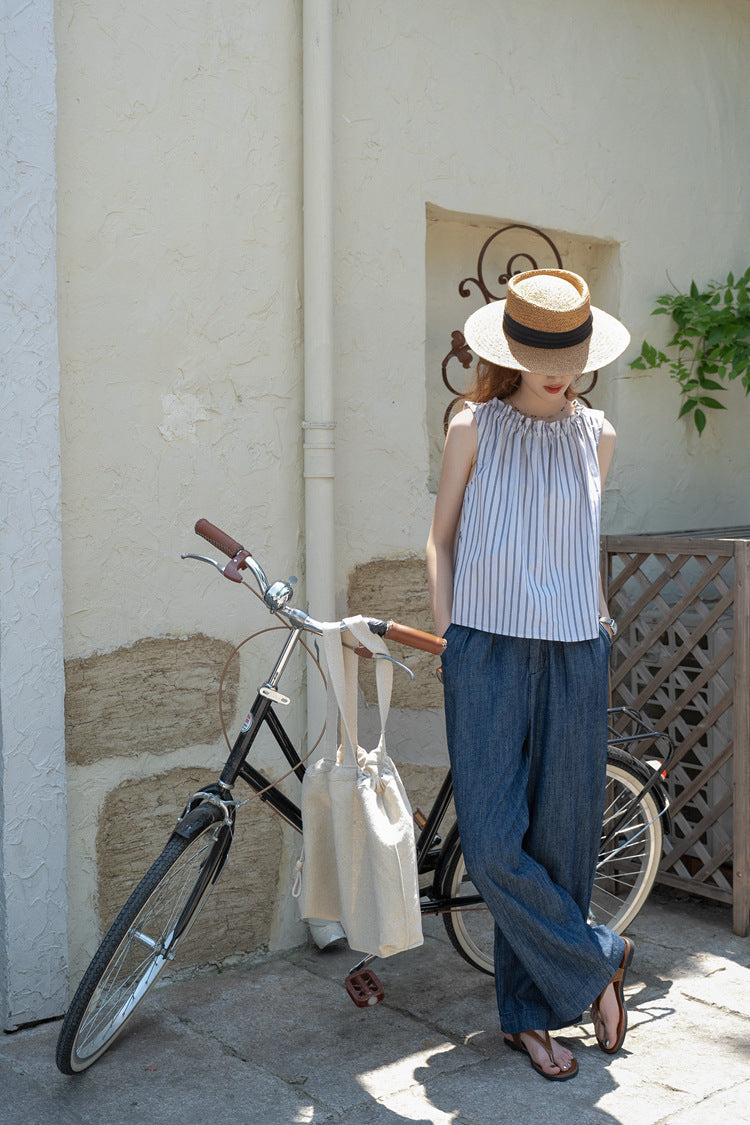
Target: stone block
[156,695]
[397,589]
[135,824]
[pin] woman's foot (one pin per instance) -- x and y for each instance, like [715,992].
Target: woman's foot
[606,1016]
[608,1010]
[546,1055]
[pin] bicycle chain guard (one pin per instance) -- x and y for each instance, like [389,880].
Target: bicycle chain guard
[365,988]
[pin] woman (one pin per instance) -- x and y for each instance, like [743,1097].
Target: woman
[513,567]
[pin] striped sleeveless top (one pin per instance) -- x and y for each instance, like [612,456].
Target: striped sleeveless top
[527,556]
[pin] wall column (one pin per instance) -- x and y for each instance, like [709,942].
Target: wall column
[33,890]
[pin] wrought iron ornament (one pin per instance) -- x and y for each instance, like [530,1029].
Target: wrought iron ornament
[518,262]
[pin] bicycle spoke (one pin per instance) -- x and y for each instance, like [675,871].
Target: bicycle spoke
[143,951]
[111,1012]
[628,860]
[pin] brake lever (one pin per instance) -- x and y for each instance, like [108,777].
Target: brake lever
[205,559]
[360,650]
[230,570]
[387,656]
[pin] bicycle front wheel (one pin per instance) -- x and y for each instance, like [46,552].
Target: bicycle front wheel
[628,863]
[142,940]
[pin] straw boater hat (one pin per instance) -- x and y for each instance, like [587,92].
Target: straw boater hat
[547,325]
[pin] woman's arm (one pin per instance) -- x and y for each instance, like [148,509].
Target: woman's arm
[605,452]
[459,459]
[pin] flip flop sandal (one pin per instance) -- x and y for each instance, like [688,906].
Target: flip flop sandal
[516,1043]
[618,980]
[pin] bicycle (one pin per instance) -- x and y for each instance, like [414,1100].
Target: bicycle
[146,934]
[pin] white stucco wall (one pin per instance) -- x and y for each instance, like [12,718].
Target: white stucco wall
[179,257]
[33,900]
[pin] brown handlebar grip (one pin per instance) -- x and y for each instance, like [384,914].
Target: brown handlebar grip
[219,538]
[415,638]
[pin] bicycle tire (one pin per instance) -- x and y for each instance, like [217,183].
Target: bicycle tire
[141,941]
[626,870]
[625,873]
[471,929]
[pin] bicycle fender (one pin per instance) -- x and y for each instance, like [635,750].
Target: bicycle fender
[197,820]
[645,771]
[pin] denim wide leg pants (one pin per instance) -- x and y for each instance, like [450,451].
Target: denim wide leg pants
[527,736]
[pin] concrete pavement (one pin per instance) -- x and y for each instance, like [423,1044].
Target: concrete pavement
[278,1042]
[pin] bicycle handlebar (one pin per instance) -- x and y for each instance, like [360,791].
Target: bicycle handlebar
[415,638]
[218,538]
[229,546]
[241,559]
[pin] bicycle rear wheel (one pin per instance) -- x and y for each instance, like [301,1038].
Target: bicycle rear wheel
[471,929]
[628,863]
[626,868]
[142,940]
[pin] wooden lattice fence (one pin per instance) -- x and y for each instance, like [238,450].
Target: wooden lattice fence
[682,657]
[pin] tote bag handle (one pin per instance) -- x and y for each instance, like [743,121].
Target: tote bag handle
[383,672]
[342,688]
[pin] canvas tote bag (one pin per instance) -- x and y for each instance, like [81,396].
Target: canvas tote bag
[359,859]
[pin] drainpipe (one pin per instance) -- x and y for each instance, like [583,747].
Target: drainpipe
[318,426]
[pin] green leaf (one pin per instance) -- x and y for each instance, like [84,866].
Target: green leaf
[715,335]
[711,342]
[712,402]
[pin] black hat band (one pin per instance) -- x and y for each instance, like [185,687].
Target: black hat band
[536,338]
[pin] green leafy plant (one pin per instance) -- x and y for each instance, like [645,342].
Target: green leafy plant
[712,343]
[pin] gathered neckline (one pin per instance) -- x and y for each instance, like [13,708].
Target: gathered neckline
[527,420]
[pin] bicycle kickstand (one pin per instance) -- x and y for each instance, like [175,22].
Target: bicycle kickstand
[363,985]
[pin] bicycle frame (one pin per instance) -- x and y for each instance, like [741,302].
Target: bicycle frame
[263,714]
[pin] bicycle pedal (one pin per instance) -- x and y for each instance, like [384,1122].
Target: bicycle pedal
[365,988]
